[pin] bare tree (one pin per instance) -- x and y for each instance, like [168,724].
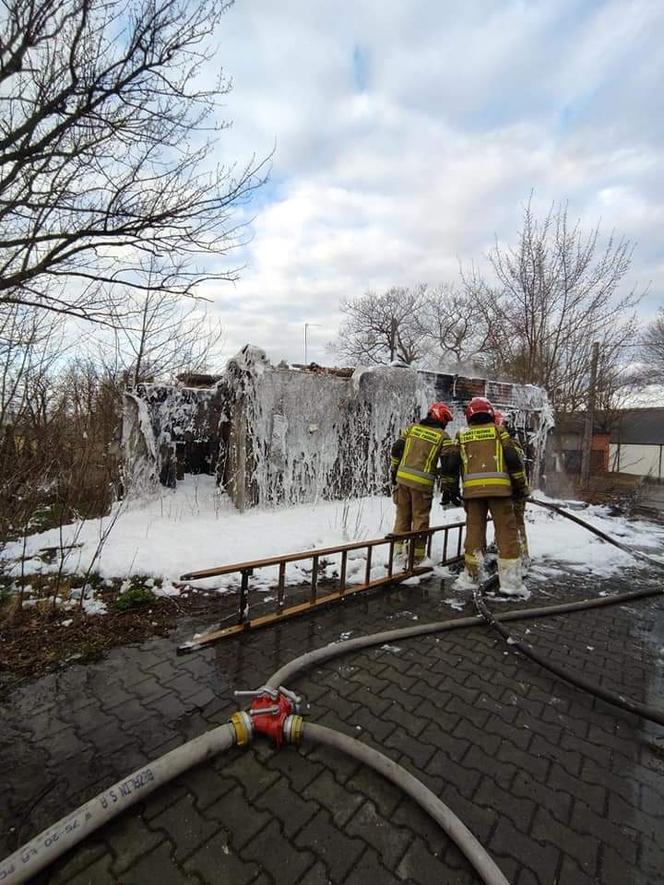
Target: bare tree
[652,351]
[454,326]
[30,342]
[159,336]
[106,151]
[556,293]
[379,329]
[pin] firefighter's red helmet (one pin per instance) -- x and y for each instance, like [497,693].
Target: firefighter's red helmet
[479,406]
[498,418]
[441,412]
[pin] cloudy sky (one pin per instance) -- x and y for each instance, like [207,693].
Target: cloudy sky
[409,133]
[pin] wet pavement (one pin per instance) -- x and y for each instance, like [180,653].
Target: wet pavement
[559,786]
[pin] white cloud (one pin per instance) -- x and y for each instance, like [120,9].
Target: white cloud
[395,173]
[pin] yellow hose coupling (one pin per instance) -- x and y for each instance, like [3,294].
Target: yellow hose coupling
[293,729]
[243,728]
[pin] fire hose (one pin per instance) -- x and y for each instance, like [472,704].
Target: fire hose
[638,554]
[275,714]
[48,845]
[647,711]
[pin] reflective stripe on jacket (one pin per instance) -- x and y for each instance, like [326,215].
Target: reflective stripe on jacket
[483,470]
[418,465]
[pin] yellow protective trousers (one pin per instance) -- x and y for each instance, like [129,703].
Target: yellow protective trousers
[504,522]
[413,510]
[520,516]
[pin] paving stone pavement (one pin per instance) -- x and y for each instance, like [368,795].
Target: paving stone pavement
[559,786]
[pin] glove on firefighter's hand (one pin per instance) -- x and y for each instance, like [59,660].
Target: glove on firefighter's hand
[450,497]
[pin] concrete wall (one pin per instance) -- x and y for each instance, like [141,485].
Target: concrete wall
[278,435]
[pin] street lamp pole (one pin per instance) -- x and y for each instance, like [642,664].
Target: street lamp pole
[306,326]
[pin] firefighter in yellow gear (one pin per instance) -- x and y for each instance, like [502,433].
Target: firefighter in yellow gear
[414,468]
[492,474]
[519,503]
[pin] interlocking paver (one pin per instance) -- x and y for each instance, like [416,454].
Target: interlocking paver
[516,732]
[448,770]
[651,860]
[570,871]
[292,809]
[333,797]
[369,869]
[651,800]
[184,825]
[476,714]
[246,769]
[78,862]
[385,795]
[97,873]
[593,795]
[342,766]
[157,866]
[415,752]
[215,862]
[558,785]
[476,737]
[520,811]
[159,801]
[501,771]
[558,802]
[379,729]
[153,732]
[338,851]
[130,839]
[421,866]
[205,784]
[614,868]
[389,841]
[509,755]
[235,814]
[509,842]
[580,846]
[605,831]
[275,854]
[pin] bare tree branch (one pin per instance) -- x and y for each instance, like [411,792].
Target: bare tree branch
[557,292]
[382,328]
[107,138]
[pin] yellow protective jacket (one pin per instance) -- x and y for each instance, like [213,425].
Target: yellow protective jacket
[489,463]
[416,454]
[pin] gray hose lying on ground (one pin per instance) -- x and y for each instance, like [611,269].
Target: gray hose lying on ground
[293,668]
[50,844]
[436,808]
[41,851]
[554,508]
[300,665]
[647,711]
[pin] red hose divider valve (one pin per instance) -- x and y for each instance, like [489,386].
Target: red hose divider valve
[273,712]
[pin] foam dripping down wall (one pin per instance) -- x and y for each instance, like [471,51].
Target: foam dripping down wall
[312,436]
[285,436]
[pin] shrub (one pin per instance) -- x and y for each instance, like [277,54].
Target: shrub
[133,598]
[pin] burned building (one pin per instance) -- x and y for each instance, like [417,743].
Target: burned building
[286,435]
